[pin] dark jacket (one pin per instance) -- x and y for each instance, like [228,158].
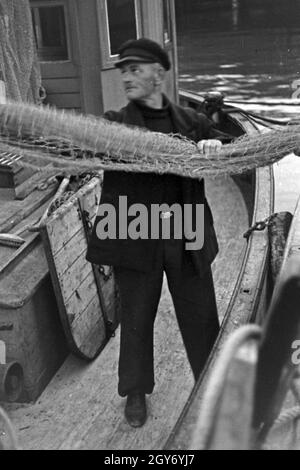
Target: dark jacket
[147,188]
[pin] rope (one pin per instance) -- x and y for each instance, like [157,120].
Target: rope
[215,384]
[259,119]
[9,431]
[113,146]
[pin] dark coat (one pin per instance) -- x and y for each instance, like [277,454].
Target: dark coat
[147,188]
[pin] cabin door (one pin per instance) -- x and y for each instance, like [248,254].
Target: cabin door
[77,43]
[57,41]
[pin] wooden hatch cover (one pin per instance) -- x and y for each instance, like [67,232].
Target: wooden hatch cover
[86,296]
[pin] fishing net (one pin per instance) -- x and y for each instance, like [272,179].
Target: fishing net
[112,146]
[18,58]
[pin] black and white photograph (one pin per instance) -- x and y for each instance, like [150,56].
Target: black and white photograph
[149,227]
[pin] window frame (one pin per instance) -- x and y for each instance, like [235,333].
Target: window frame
[169,40]
[65,5]
[108,59]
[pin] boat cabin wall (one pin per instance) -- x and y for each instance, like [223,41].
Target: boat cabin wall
[77,46]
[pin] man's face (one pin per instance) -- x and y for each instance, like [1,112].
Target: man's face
[138,80]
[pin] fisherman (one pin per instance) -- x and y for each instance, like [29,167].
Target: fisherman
[139,264]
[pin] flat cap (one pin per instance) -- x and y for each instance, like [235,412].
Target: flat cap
[143,50]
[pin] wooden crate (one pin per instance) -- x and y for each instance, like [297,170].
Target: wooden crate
[30,325]
[12,174]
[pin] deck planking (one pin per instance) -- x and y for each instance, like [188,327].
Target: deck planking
[80,409]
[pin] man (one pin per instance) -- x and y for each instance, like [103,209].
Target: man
[139,264]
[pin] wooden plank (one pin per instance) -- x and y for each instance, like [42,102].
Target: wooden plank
[73,278]
[81,293]
[70,252]
[26,188]
[62,85]
[89,345]
[19,253]
[16,211]
[82,331]
[58,70]
[65,100]
[64,223]
[73,270]
[79,319]
[63,226]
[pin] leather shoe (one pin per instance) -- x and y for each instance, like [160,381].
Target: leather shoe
[135,409]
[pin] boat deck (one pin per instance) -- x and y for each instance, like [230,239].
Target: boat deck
[80,409]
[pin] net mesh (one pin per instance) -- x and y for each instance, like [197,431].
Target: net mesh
[112,146]
[18,59]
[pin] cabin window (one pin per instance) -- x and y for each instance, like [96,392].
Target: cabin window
[49,27]
[122,21]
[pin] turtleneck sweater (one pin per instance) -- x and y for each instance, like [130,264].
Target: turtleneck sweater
[160,120]
[157,120]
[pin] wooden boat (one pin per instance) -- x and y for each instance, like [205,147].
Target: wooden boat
[76,46]
[252,396]
[249,294]
[93,418]
[80,408]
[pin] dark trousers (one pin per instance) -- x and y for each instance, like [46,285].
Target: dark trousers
[196,312]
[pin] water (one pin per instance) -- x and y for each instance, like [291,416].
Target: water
[247,49]
[250,51]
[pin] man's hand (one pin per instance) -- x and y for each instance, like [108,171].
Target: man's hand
[209,146]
